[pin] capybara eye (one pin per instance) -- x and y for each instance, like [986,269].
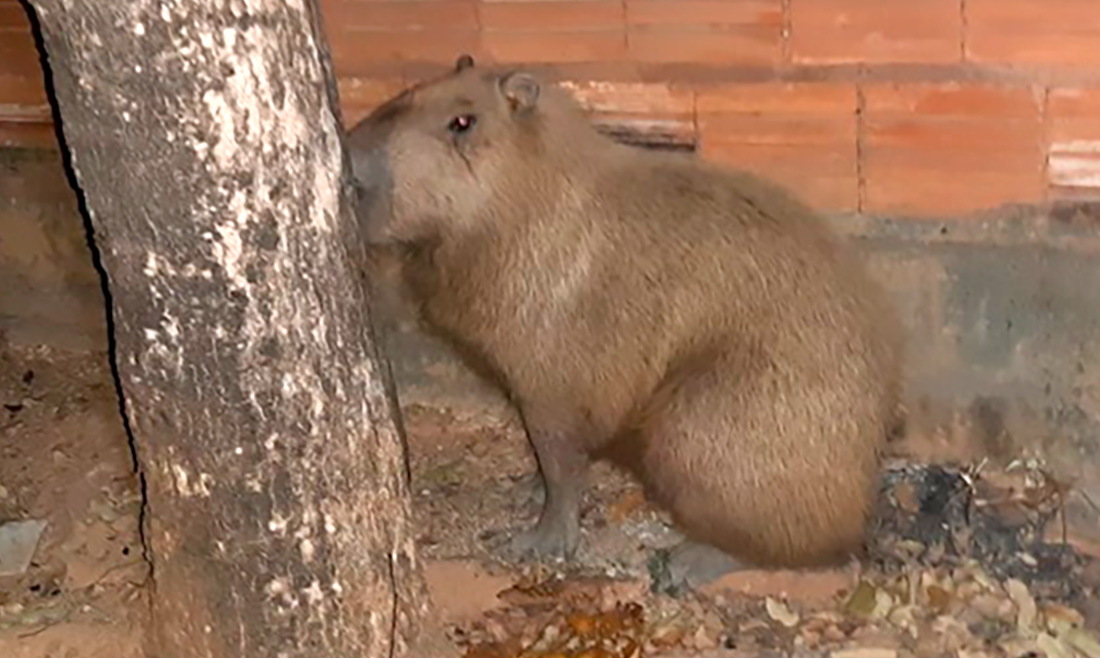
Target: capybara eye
[462,123]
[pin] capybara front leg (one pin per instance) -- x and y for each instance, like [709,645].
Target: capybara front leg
[563,465]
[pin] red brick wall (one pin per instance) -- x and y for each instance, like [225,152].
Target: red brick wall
[914,107]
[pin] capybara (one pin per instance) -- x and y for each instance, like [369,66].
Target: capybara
[701,321]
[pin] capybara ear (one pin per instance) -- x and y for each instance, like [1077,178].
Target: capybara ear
[464,62]
[521,89]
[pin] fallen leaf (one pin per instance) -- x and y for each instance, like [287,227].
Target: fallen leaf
[883,604]
[1083,641]
[779,612]
[626,505]
[862,601]
[938,598]
[1052,647]
[1026,611]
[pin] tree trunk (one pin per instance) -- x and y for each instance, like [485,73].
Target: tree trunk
[204,135]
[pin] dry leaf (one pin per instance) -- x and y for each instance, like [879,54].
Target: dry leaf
[779,612]
[626,505]
[938,598]
[1060,617]
[862,601]
[1083,641]
[667,636]
[1052,647]
[1026,611]
[883,604]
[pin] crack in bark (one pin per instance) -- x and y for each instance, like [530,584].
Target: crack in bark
[104,285]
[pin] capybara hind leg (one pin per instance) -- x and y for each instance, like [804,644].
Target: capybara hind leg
[563,465]
[692,565]
[777,480]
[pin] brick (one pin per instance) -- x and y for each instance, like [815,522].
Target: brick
[17,93]
[553,16]
[705,31]
[952,117]
[875,31]
[368,91]
[704,13]
[953,148]
[941,192]
[747,32]
[1073,149]
[358,52]
[950,136]
[19,55]
[1074,102]
[1075,171]
[554,47]
[13,18]
[399,14]
[1052,33]
[647,131]
[562,31]
[27,134]
[823,177]
[951,100]
[359,96]
[781,98]
[1073,114]
[787,130]
[809,114]
[650,99]
[745,46]
[802,135]
[650,112]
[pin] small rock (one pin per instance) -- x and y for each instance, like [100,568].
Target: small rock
[18,541]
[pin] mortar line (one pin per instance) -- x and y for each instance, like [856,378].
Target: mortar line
[861,121]
[626,27]
[1045,144]
[785,7]
[964,30]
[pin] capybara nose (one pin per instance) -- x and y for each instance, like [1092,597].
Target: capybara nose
[366,169]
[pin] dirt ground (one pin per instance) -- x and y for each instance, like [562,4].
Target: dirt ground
[970,561]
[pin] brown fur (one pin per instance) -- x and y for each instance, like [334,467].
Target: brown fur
[702,319]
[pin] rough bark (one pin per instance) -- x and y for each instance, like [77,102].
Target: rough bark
[205,138]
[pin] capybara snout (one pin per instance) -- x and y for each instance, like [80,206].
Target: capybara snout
[426,161]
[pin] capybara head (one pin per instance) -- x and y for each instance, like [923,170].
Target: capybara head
[428,161]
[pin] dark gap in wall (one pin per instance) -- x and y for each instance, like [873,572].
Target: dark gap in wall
[658,136]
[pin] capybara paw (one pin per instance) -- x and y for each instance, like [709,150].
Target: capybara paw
[689,566]
[530,492]
[545,541]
